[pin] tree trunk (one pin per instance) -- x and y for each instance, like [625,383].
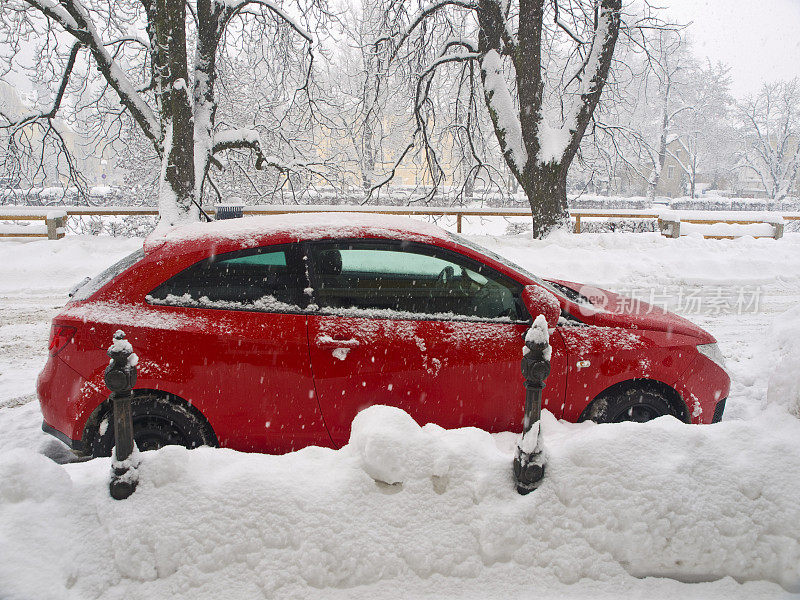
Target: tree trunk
[210,17]
[655,176]
[546,190]
[368,157]
[176,186]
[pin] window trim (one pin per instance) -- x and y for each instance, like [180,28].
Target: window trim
[293,259]
[406,245]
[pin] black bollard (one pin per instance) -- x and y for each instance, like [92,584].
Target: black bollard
[529,460]
[120,377]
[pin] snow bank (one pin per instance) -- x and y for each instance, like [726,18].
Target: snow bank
[784,379]
[622,261]
[54,266]
[417,511]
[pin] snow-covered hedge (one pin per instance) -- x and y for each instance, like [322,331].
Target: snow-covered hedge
[608,202]
[618,225]
[115,225]
[49,196]
[723,203]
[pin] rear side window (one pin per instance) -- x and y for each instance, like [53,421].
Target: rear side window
[82,292]
[270,279]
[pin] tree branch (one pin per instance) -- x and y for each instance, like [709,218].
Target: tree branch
[75,20]
[50,114]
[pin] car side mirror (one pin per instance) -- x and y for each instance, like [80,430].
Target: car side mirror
[539,301]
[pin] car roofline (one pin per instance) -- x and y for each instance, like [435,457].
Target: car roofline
[286,228]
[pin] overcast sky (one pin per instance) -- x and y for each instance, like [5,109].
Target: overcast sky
[758,39]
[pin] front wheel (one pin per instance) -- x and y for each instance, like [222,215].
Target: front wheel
[157,422]
[635,405]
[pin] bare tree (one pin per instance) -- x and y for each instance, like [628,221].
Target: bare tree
[542,66]
[670,64]
[705,129]
[158,65]
[361,102]
[770,129]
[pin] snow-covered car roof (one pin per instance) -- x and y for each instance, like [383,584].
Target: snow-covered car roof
[294,227]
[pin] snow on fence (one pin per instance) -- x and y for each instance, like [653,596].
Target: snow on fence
[723,225]
[55,221]
[758,224]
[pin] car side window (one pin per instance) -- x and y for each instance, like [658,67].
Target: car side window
[269,278]
[409,280]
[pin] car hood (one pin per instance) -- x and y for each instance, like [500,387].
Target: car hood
[596,306]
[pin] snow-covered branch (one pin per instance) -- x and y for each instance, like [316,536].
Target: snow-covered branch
[76,20]
[504,113]
[424,13]
[17,123]
[594,74]
[239,6]
[240,138]
[249,139]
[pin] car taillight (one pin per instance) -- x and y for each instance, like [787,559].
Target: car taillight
[60,336]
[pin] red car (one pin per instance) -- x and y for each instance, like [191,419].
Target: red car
[270,333]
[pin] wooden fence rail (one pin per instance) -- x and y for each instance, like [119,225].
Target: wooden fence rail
[54,217]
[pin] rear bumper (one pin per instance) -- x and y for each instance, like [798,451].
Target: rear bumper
[64,398]
[77,446]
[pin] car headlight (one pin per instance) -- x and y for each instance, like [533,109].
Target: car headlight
[712,352]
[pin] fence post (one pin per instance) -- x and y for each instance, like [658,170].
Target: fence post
[577,224]
[529,460]
[55,220]
[120,377]
[670,227]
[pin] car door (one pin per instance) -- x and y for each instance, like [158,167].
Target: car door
[421,328]
[235,345]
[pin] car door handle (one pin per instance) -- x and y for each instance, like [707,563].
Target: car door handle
[326,341]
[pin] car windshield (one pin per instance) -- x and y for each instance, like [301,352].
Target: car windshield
[502,259]
[84,291]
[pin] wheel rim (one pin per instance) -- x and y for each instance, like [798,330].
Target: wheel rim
[153,432]
[640,412]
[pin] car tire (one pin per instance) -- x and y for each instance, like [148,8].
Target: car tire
[633,404]
[157,422]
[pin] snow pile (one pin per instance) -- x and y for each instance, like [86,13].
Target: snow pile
[30,477]
[621,261]
[619,503]
[784,378]
[57,264]
[392,448]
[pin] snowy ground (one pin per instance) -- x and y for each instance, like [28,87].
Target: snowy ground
[656,510]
